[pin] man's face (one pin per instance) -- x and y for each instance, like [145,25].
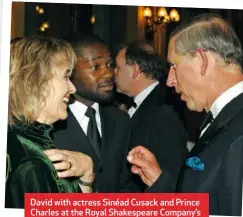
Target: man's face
[185,76]
[94,74]
[123,73]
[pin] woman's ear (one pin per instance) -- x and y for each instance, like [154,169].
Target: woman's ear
[204,60]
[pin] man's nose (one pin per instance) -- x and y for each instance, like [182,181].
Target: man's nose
[171,80]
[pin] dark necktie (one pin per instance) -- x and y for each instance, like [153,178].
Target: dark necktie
[130,103]
[207,120]
[134,105]
[93,132]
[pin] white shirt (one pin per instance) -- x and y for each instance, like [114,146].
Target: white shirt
[141,97]
[223,100]
[79,109]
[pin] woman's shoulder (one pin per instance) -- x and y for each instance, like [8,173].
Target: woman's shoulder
[15,150]
[21,146]
[34,164]
[21,151]
[27,167]
[31,175]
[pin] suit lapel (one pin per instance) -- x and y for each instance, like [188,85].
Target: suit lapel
[156,97]
[108,125]
[76,128]
[219,124]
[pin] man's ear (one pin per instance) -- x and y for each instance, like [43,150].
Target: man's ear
[135,71]
[202,54]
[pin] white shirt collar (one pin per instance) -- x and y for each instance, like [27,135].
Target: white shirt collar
[144,93]
[141,97]
[225,98]
[96,107]
[79,109]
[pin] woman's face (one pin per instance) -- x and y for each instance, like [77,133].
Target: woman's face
[58,93]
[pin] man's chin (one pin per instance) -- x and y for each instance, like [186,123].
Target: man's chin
[191,106]
[105,98]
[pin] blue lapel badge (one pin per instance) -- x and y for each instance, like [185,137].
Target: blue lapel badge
[195,163]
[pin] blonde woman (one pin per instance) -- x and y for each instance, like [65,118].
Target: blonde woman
[39,91]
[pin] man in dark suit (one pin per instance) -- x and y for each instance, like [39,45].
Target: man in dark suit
[154,123]
[206,69]
[92,127]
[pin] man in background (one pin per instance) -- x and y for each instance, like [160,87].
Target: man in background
[140,73]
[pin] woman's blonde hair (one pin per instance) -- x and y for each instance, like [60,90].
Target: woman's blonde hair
[32,60]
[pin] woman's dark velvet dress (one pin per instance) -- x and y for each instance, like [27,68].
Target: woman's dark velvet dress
[28,168]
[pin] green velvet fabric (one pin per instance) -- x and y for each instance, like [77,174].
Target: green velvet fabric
[28,168]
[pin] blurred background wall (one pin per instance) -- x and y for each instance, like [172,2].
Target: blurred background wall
[115,24]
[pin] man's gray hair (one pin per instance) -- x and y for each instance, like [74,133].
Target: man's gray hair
[209,32]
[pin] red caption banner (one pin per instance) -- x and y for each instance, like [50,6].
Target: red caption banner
[101,204]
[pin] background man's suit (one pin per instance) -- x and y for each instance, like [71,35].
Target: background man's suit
[221,150]
[108,165]
[158,127]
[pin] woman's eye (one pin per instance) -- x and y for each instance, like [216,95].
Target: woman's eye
[67,77]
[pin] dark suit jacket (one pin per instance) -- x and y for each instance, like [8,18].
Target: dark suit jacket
[220,149]
[158,127]
[108,165]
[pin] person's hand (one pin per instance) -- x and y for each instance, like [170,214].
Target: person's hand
[70,163]
[144,164]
